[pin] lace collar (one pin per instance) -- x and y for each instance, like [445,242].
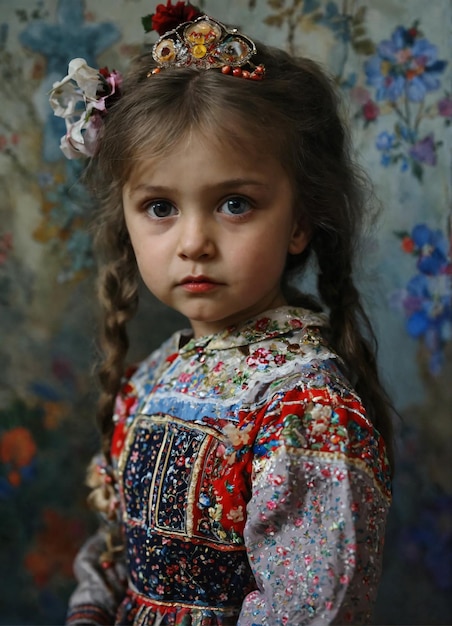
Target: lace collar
[268,325]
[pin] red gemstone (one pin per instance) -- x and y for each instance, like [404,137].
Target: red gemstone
[237,71]
[246,74]
[226,69]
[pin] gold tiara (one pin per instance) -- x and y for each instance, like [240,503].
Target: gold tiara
[206,44]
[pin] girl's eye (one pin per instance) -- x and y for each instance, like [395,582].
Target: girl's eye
[235,206]
[160,209]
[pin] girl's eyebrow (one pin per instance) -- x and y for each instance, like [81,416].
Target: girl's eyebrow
[223,185]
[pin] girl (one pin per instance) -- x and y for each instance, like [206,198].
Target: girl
[245,476]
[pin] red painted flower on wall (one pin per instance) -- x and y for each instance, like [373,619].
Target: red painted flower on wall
[55,548]
[17,451]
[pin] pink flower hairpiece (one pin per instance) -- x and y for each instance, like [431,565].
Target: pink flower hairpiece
[82,99]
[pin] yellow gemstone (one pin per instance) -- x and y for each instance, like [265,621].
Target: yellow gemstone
[199,51]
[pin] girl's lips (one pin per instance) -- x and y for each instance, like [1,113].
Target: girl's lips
[198,284]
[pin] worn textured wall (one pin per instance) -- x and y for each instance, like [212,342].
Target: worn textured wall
[390,59]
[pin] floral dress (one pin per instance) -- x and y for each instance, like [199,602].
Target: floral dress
[252,488]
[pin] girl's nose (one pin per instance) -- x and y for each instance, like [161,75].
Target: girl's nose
[196,240]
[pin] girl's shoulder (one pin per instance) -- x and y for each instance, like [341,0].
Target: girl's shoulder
[136,382]
[140,376]
[143,373]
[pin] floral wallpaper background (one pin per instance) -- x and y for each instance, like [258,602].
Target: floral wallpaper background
[392,60]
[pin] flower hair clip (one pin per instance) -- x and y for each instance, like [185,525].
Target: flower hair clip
[170,16]
[190,39]
[82,99]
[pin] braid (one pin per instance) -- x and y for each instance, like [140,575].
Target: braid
[352,336]
[118,294]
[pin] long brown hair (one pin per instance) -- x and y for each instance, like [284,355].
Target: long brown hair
[295,112]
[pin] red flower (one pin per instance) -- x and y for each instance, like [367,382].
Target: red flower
[17,447]
[54,549]
[370,111]
[407,244]
[262,324]
[170,16]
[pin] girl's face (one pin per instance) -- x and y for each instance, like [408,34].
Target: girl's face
[211,227]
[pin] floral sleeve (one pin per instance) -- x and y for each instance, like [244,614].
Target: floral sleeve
[100,589]
[316,518]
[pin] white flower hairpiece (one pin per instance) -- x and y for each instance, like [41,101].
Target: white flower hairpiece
[80,99]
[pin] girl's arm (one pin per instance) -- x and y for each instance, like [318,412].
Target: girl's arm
[100,589]
[100,567]
[316,519]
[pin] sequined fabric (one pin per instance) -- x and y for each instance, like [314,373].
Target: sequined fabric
[253,489]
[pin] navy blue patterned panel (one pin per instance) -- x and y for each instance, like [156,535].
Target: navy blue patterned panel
[176,570]
[176,546]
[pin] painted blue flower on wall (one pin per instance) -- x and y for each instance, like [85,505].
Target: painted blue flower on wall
[405,65]
[426,299]
[404,70]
